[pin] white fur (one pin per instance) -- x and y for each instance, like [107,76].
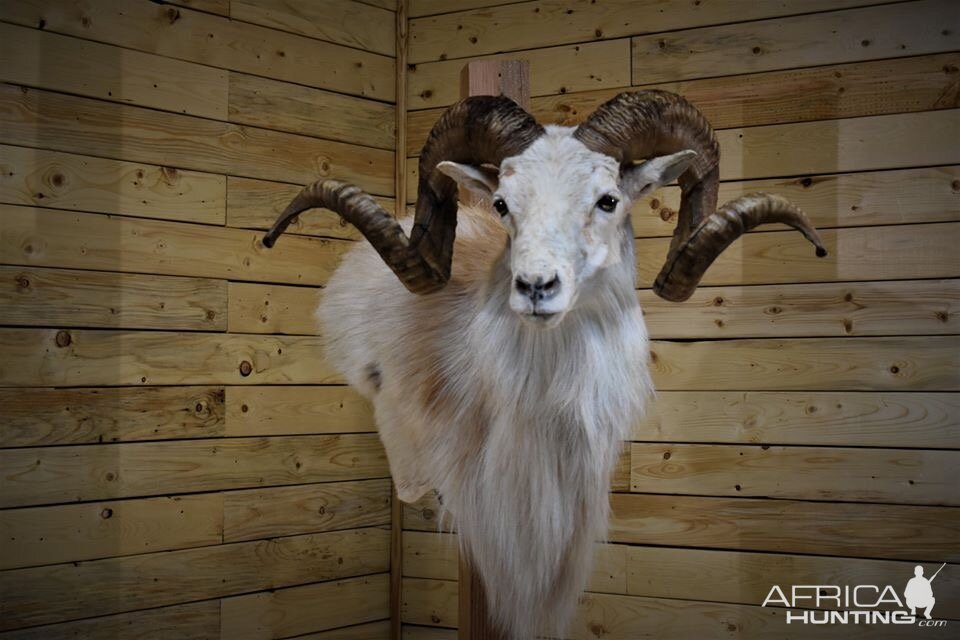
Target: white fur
[517,424]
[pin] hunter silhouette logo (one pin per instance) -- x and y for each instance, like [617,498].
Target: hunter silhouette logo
[859,604]
[919,593]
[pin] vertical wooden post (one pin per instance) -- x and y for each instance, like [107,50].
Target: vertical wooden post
[510,78]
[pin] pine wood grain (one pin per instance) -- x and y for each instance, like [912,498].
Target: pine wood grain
[829,418]
[256,204]
[78,473]
[271,104]
[870,33]
[901,196]
[876,87]
[50,238]
[425,515]
[533,25]
[283,511]
[197,621]
[368,631]
[419,8]
[213,40]
[32,297]
[290,410]
[33,117]
[349,23]
[285,612]
[258,308]
[803,473]
[429,602]
[856,254]
[49,61]
[594,65]
[85,183]
[908,307]
[746,578]
[854,364]
[34,357]
[70,533]
[37,417]
[416,632]
[58,593]
[895,532]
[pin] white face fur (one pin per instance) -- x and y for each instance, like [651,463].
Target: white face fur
[564,208]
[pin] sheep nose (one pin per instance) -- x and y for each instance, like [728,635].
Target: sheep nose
[540,289]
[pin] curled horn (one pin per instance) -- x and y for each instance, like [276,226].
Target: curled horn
[646,124]
[477,130]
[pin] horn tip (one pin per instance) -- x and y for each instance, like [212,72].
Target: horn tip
[268,241]
[821,252]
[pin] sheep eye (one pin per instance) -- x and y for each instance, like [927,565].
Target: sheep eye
[607,203]
[501,206]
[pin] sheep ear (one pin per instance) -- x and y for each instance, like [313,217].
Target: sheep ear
[642,179]
[482,180]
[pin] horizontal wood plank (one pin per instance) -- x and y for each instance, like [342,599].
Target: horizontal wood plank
[420,8]
[531,25]
[77,473]
[35,297]
[37,118]
[196,621]
[349,23]
[870,33]
[59,593]
[69,533]
[283,410]
[368,631]
[594,65]
[429,602]
[803,473]
[258,308]
[857,254]
[746,578]
[78,358]
[51,238]
[907,307]
[829,418]
[84,183]
[416,632]
[285,612]
[809,364]
[271,104]
[256,204]
[920,83]
[900,196]
[877,87]
[37,417]
[214,40]
[895,532]
[49,61]
[282,511]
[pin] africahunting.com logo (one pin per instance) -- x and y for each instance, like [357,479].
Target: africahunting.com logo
[859,604]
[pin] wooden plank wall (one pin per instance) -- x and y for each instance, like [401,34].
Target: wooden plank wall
[176,459]
[805,430]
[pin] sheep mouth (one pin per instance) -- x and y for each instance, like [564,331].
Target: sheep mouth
[542,319]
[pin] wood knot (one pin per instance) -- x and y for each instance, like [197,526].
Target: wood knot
[662,44]
[64,338]
[666,214]
[894,369]
[244,408]
[246,368]
[322,510]
[864,43]
[950,69]
[774,310]
[654,204]
[85,21]
[806,182]
[757,51]
[170,175]
[106,514]
[737,487]
[472,39]
[435,618]
[211,314]
[200,407]
[428,514]
[57,180]
[598,33]
[847,325]
[955,185]
[718,301]
[23,282]
[110,476]
[173,15]
[666,455]
[942,316]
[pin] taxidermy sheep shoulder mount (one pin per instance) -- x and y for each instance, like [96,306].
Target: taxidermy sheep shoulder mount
[507,370]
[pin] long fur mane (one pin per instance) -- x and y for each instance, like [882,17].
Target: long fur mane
[518,428]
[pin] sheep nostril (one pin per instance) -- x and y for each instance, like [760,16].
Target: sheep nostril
[523,286]
[551,288]
[539,289]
